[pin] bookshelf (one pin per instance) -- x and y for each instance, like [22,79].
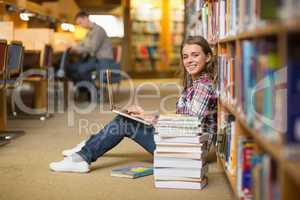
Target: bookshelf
[258,68]
[157,29]
[146,36]
[177,31]
[231,178]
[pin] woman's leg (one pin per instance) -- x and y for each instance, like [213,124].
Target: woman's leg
[113,133]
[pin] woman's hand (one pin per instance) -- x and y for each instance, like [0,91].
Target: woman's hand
[135,110]
[152,119]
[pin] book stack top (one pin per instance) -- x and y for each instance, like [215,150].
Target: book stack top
[175,125]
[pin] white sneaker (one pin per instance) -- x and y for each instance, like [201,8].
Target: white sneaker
[69,152]
[68,165]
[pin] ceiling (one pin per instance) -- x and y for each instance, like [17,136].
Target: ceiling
[92,6]
[42,1]
[98,6]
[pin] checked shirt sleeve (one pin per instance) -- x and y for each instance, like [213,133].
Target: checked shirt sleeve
[199,104]
[196,101]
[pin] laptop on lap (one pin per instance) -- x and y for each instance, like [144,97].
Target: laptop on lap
[114,109]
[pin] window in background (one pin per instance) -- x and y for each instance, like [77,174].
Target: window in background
[112,25]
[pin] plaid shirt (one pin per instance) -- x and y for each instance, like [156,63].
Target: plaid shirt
[200,100]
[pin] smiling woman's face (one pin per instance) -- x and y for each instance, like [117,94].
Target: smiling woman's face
[194,59]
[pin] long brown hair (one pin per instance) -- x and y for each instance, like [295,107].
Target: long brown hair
[209,68]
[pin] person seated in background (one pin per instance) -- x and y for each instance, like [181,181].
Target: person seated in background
[95,50]
[198,98]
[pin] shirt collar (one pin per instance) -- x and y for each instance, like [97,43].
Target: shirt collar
[203,78]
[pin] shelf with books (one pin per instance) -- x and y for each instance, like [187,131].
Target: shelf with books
[258,70]
[262,31]
[227,39]
[272,148]
[156,33]
[271,29]
[145,36]
[194,19]
[275,150]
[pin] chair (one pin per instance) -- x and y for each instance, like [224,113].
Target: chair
[3,52]
[11,62]
[32,60]
[100,79]
[47,61]
[14,68]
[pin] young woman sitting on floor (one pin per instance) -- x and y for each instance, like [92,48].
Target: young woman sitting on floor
[197,99]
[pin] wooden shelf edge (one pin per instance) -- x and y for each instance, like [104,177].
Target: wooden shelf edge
[227,39]
[268,30]
[291,167]
[231,179]
[271,148]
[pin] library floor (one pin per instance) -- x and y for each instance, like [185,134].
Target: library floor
[24,162]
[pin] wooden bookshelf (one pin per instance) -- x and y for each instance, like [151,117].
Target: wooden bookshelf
[279,32]
[268,30]
[155,38]
[269,147]
[231,179]
[292,168]
[227,39]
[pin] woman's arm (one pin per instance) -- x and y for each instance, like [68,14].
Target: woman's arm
[197,100]
[137,111]
[202,98]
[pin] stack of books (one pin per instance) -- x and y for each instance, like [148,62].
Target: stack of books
[180,155]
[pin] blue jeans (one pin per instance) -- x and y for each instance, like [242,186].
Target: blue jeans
[113,133]
[82,70]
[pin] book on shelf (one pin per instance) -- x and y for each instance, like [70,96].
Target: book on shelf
[227,69]
[255,85]
[223,18]
[292,138]
[181,172]
[244,153]
[248,53]
[226,143]
[178,162]
[256,173]
[181,184]
[132,171]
